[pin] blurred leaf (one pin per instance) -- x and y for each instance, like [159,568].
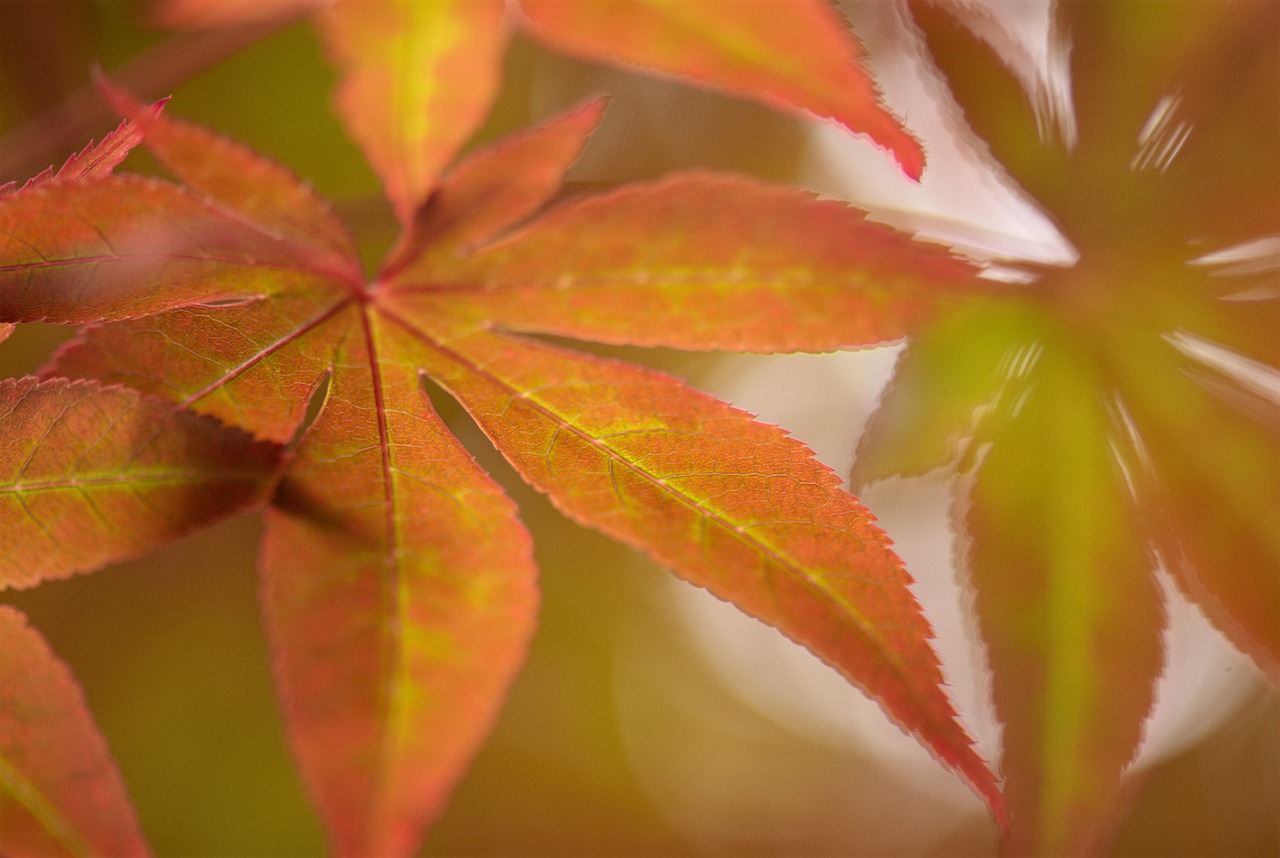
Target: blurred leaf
[44,50]
[1123,429]
[942,385]
[198,14]
[417,81]
[1066,602]
[1211,505]
[92,161]
[1009,109]
[60,792]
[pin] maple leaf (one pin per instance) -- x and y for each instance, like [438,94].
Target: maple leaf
[1116,415]
[92,475]
[405,63]
[94,160]
[398,584]
[60,792]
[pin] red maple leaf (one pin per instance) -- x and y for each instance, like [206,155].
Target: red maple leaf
[398,582]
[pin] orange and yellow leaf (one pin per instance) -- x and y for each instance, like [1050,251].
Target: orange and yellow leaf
[418,78]
[701,261]
[398,585]
[728,503]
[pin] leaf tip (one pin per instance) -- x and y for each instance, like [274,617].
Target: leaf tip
[123,102]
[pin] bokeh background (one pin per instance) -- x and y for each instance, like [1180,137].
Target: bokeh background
[650,719]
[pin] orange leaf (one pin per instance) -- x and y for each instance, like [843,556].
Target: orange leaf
[491,190]
[399,593]
[700,261]
[417,80]
[398,584]
[418,77]
[123,246]
[233,175]
[798,55]
[731,504]
[92,161]
[60,792]
[91,475]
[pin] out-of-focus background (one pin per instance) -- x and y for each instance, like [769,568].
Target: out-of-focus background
[651,719]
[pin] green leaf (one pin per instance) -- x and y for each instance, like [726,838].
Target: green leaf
[1142,429]
[946,381]
[1066,603]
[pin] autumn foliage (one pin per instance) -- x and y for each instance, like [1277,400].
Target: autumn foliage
[232,354]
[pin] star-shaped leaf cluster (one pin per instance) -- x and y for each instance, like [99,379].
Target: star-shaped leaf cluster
[1118,416]
[399,587]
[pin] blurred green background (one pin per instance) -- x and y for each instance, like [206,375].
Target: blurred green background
[614,699]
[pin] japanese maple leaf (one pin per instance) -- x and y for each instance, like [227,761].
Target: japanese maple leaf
[60,791]
[398,588]
[1119,415]
[90,475]
[407,63]
[92,161]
